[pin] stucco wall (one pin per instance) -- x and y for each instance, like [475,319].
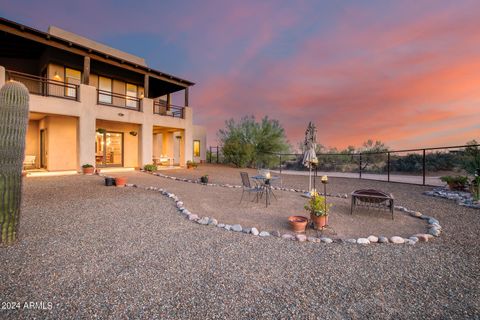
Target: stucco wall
[62,143]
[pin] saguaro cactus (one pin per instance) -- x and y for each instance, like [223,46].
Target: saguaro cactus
[13,127]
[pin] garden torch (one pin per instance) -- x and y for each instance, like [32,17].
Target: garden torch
[325,181]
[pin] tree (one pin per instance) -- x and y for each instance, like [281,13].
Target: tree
[253,144]
[373,153]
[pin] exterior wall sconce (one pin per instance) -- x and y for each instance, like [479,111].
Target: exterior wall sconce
[101,130]
[178,137]
[133,133]
[142,95]
[120,114]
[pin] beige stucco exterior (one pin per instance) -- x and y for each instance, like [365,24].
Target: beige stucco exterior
[71,129]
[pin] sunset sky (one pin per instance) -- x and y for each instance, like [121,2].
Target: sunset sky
[404,72]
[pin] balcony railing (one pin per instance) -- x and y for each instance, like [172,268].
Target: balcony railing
[163,109]
[45,87]
[118,100]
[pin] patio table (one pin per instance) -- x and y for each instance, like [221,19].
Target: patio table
[266,186]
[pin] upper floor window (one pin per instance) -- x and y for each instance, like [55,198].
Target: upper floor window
[196,148]
[72,76]
[131,93]
[105,87]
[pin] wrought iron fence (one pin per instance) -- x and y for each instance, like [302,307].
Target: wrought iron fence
[118,100]
[162,108]
[416,166]
[45,87]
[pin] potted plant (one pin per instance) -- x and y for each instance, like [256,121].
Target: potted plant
[120,181]
[88,169]
[298,223]
[191,164]
[204,179]
[318,209]
[455,182]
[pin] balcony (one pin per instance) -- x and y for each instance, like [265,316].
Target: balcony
[162,108]
[118,100]
[45,87]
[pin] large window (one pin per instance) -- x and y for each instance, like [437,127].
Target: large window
[105,86]
[196,148]
[131,92]
[72,76]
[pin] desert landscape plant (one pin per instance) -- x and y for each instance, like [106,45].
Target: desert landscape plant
[14,106]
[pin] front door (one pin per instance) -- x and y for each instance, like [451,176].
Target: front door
[109,149]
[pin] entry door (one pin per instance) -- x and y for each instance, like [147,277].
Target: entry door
[43,150]
[109,149]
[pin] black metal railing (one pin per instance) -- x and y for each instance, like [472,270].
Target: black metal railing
[118,100]
[162,108]
[45,87]
[416,166]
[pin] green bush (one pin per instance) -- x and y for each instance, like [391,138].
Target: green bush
[455,182]
[150,167]
[87,165]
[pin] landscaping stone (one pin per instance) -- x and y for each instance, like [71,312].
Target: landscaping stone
[383,240]
[275,233]
[434,231]
[192,217]
[228,227]
[413,238]
[237,228]
[246,230]
[288,236]
[264,234]
[397,240]
[423,237]
[312,239]
[301,237]
[203,221]
[433,221]
[410,242]
[372,239]
[351,240]
[363,241]
[415,214]
[221,225]
[326,240]
[212,222]
[254,231]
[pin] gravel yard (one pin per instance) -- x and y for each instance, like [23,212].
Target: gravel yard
[125,252]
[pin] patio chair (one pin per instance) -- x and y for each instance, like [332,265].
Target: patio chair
[247,187]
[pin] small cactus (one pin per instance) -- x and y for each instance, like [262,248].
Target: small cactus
[13,127]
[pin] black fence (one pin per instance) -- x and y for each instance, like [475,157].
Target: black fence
[45,87]
[417,166]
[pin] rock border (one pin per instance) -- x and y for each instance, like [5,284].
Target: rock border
[434,227]
[461,198]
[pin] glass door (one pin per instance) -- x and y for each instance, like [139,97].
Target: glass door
[109,149]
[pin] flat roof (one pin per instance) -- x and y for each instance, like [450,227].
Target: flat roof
[89,47]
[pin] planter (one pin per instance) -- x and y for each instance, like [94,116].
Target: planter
[120,181]
[109,181]
[88,170]
[319,222]
[204,180]
[298,223]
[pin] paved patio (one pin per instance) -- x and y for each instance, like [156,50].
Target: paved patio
[115,253]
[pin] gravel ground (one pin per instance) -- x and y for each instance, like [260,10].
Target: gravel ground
[94,251]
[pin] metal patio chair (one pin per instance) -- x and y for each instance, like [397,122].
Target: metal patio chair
[247,187]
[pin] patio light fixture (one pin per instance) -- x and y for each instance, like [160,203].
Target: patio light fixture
[325,181]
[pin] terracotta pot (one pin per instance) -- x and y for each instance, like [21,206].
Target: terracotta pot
[88,170]
[319,222]
[120,181]
[298,223]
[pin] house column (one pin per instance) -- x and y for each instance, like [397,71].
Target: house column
[86,71]
[145,148]
[86,126]
[2,76]
[187,147]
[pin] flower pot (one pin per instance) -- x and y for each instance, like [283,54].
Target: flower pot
[204,180]
[298,223]
[120,181]
[88,170]
[109,181]
[319,222]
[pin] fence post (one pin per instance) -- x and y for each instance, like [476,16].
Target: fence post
[217,155]
[388,166]
[210,155]
[280,163]
[424,165]
[360,166]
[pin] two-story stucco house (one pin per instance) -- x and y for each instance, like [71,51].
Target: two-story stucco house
[90,103]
